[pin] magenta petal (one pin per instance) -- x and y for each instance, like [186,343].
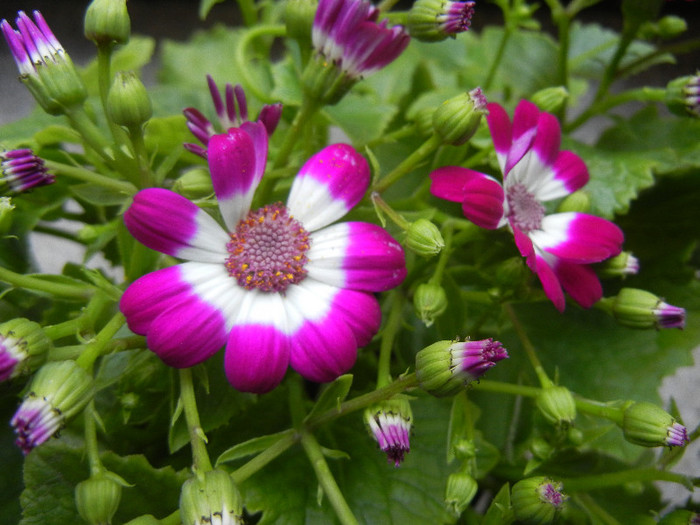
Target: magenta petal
[483,201]
[578,237]
[256,357]
[580,282]
[171,224]
[361,312]
[548,139]
[187,333]
[448,182]
[501,129]
[570,171]
[550,283]
[525,246]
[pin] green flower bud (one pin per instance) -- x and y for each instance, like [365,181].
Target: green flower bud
[6,208]
[557,405]
[648,425]
[430,302]
[194,184]
[324,82]
[423,119]
[210,497]
[683,96]
[641,309]
[299,18]
[541,448]
[446,367]
[460,491]
[389,423]
[537,500]
[146,519]
[58,391]
[465,449]
[669,26]
[550,99]
[621,265]
[578,201]
[97,498]
[575,437]
[23,348]
[424,238]
[511,272]
[128,102]
[107,21]
[680,517]
[435,20]
[457,119]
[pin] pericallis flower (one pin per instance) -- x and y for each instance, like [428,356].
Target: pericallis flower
[21,170]
[435,20]
[558,247]
[44,65]
[203,129]
[279,285]
[389,423]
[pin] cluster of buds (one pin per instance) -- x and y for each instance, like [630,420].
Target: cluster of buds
[210,497]
[23,348]
[641,309]
[21,170]
[446,367]
[389,423]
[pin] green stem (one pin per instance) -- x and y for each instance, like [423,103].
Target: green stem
[408,164]
[200,457]
[612,479]
[405,131]
[248,12]
[65,291]
[64,329]
[395,217]
[91,134]
[598,513]
[497,59]
[85,175]
[145,175]
[306,112]
[258,462]
[564,28]
[393,324]
[444,254]
[93,453]
[527,346]
[97,346]
[296,400]
[63,353]
[104,78]
[243,63]
[326,480]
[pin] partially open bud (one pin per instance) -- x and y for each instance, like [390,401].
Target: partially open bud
[211,497]
[107,21]
[537,500]
[59,391]
[550,99]
[557,405]
[424,238]
[389,423]
[457,119]
[683,96]
[460,491]
[128,102]
[435,20]
[641,309]
[621,265]
[23,348]
[97,498]
[446,367]
[648,425]
[429,301]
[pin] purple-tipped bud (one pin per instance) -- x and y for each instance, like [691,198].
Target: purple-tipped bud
[648,425]
[23,348]
[621,265]
[211,497]
[21,170]
[457,119]
[446,367]
[537,500]
[683,95]
[641,309]
[390,423]
[435,20]
[231,111]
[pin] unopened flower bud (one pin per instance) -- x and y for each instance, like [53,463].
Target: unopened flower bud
[511,272]
[59,391]
[211,497]
[97,498]
[389,423]
[21,170]
[435,20]
[648,425]
[424,238]
[641,309]
[550,99]
[299,18]
[680,517]
[465,449]
[423,119]
[194,184]
[460,491]
[541,448]
[128,102]
[23,348]
[683,96]
[146,519]
[429,301]
[446,367]
[107,21]
[557,405]
[457,119]
[669,26]
[537,500]
[621,265]
[579,201]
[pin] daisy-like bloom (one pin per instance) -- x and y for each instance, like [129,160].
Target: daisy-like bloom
[559,247]
[21,170]
[58,391]
[390,424]
[446,367]
[648,425]
[44,66]
[278,286]
[537,499]
[203,129]
[434,20]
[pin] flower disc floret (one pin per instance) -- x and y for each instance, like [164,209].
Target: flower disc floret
[268,250]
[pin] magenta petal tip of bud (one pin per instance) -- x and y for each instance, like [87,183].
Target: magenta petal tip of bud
[677,435]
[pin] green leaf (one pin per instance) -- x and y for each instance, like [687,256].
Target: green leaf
[165,135]
[361,117]
[56,134]
[250,447]
[98,195]
[332,395]
[205,6]
[499,510]
[287,88]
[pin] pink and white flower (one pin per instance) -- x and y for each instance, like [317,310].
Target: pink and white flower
[279,286]
[558,247]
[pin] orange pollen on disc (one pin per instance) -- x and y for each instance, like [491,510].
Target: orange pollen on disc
[267,251]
